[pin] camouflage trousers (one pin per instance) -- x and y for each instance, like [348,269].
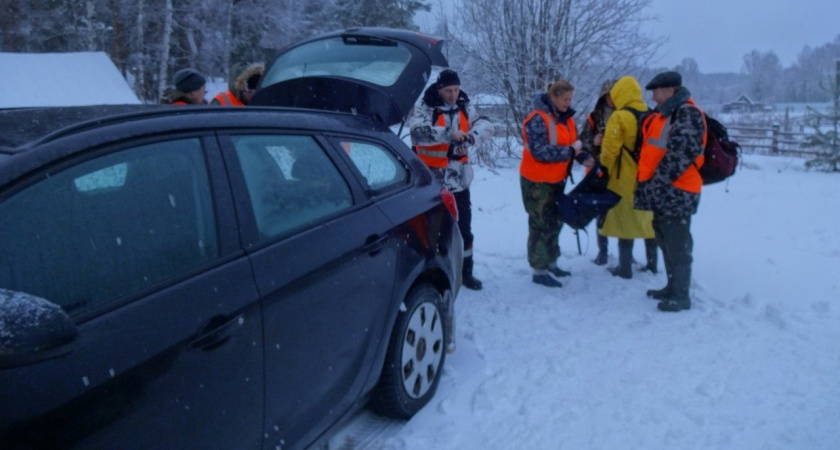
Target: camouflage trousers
[543,221]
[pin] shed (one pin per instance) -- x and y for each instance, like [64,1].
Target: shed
[61,79]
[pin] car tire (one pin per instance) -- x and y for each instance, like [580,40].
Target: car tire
[415,357]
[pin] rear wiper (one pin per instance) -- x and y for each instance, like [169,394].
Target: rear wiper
[350,39]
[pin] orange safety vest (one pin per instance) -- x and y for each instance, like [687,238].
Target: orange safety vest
[656,132]
[435,155]
[180,103]
[227,98]
[559,133]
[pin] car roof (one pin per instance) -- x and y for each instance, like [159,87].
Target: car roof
[30,127]
[25,125]
[31,142]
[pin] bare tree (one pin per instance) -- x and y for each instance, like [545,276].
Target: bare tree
[522,45]
[163,67]
[764,71]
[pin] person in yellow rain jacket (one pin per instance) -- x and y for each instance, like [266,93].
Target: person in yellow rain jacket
[623,220]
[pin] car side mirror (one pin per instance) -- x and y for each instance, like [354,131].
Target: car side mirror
[32,330]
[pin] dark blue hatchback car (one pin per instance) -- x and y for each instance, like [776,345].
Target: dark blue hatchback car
[215,278]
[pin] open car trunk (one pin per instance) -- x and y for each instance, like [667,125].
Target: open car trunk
[377,72]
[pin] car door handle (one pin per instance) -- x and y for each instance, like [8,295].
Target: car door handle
[374,243]
[216,332]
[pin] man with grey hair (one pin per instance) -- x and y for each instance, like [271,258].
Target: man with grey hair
[674,136]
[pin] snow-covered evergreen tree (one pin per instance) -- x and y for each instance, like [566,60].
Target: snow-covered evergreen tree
[826,126]
[378,13]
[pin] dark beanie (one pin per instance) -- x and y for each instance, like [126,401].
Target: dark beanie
[665,79]
[448,78]
[188,80]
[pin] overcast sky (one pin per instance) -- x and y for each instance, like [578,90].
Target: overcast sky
[718,33]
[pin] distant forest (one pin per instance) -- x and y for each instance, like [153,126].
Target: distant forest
[149,40]
[764,79]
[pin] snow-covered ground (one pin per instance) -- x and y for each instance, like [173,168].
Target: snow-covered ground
[755,364]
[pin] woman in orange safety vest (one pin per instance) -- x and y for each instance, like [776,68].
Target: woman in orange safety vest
[551,143]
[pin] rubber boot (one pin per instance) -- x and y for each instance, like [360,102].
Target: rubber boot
[601,259]
[625,259]
[468,280]
[660,294]
[679,299]
[664,293]
[652,255]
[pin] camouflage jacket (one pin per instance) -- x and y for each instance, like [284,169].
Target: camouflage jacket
[424,129]
[685,144]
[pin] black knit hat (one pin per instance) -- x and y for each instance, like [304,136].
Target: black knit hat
[188,80]
[447,78]
[665,79]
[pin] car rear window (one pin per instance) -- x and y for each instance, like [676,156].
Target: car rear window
[377,61]
[380,168]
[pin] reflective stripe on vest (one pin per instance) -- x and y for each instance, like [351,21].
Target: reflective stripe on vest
[435,155]
[563,134]
[656,132]
[226,98]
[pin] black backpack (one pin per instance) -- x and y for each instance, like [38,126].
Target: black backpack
[721,154]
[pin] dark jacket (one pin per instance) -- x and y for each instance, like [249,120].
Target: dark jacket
[595,123]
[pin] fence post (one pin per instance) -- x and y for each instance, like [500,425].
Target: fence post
[774,144]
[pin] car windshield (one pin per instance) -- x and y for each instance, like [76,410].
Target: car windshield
[375,60]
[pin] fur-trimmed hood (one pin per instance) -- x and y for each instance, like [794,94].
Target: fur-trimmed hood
[239,83]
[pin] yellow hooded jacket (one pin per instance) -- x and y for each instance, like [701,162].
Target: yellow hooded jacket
[623,221]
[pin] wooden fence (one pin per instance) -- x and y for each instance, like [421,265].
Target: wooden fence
[770,141]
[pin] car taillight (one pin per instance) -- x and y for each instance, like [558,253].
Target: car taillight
[449,200]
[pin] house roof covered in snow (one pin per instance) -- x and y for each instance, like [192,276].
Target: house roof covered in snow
[61,79]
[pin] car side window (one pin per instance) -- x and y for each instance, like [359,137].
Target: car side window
[291,181]
[110,226]
[379,167]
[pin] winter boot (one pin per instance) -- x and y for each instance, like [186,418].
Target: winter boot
[660,294]
[674,305]
[468,280]
[651,252]
[625,259]
[679,280]
[558,272]
[544,278]
[601,259]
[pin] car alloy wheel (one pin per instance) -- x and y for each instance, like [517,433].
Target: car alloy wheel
[415,357]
